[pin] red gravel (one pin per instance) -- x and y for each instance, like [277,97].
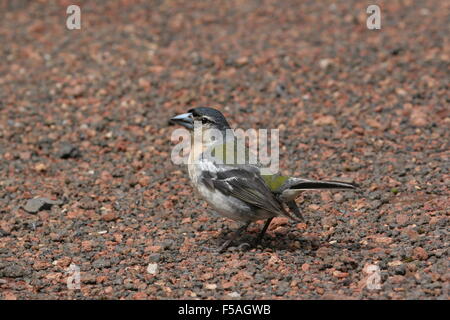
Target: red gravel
[84,120]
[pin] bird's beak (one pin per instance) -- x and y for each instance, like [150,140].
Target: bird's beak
[184,119]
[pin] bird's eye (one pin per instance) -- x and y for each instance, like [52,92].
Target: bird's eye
[204,120]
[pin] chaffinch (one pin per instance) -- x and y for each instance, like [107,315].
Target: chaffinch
[240,191]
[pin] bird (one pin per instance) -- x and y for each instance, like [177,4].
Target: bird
[240,191]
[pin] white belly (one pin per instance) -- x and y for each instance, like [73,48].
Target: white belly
[226,206]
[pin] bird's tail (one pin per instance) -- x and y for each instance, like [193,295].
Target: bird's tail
[304,184]
[294,187]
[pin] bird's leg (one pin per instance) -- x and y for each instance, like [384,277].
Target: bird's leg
[263,231]
[293,206]
[233,237]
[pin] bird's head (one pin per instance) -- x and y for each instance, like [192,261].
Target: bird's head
[209,118]
[213,126]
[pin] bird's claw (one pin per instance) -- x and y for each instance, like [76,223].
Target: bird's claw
[244,246]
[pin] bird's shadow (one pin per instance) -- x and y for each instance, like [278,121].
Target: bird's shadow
[275,242]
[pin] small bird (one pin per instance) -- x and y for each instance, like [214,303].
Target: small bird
[240,191]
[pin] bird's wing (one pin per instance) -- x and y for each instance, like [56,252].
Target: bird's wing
[245,183]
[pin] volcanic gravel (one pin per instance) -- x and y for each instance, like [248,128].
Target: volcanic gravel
[84,122]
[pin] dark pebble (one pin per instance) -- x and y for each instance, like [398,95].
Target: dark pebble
[37,204]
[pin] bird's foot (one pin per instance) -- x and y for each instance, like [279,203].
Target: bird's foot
[245,246]
[224,246]
[208,249]
[236,234]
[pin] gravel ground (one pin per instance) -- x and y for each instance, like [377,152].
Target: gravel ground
[84,125]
